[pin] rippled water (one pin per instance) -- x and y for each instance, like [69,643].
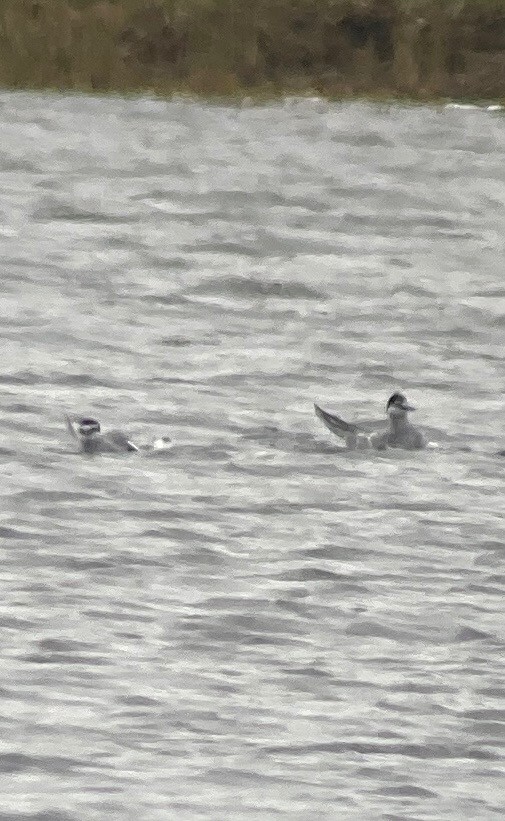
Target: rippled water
[252,625]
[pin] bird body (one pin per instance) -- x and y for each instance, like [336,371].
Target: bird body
[399,434]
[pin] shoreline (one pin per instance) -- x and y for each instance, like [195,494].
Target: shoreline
[428,51]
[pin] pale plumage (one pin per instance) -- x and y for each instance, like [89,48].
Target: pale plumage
[399,434]
[92,440]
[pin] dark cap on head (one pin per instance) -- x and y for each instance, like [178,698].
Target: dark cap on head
[399,400]
[88,425]
[396,399]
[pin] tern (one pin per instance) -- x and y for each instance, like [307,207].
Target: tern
[399,434]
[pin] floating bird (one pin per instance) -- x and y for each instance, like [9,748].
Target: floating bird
[92,440]
[401,434]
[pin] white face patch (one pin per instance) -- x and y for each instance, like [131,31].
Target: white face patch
[398,405]
[88,428]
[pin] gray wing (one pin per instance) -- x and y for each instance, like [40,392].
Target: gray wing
[379,441]
[335,423]
[419,442]
[70,426]
[119,441]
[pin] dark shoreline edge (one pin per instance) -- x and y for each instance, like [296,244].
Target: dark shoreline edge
[433,51]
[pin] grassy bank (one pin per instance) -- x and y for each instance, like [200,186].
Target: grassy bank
[416,48]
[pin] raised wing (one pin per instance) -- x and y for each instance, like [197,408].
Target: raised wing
[335,423]
[70,426]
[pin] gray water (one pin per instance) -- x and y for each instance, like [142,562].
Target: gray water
[252,625]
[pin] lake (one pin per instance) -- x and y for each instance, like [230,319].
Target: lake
[252,625]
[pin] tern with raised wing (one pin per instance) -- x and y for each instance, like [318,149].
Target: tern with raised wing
[399,434]
[88,433]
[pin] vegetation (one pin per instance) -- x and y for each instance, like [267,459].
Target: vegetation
[416,48]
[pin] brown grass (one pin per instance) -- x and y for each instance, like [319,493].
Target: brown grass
[418,48]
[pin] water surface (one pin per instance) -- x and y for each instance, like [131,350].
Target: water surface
[252,625]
